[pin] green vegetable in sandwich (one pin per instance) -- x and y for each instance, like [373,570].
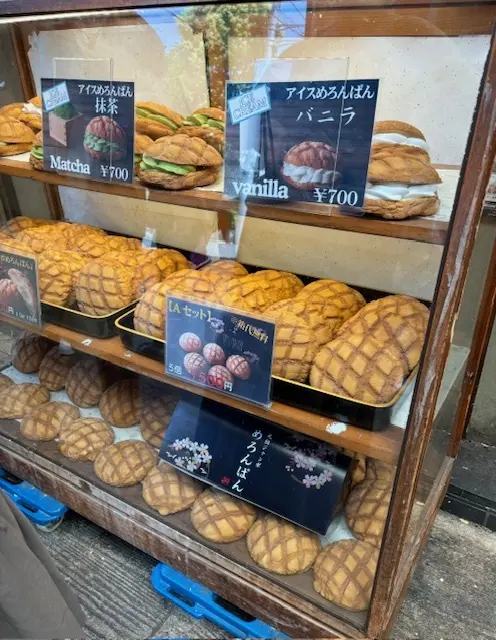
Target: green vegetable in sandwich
[156,120]
[169,167]
[179,162]
[208,117]
[36,155]
[37,152]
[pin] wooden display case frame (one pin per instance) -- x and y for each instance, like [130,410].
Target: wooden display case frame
[119,513]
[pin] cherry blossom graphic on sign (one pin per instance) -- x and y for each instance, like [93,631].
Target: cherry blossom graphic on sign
[305,459]
[191,456]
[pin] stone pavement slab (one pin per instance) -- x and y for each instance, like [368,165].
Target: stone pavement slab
[453,592]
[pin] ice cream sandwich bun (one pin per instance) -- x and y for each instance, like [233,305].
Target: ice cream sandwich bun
[156,120]
[180,162]
[399,137]
[15,137]
[396,201]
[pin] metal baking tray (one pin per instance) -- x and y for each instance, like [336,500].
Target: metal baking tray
[372,417]
[73,318]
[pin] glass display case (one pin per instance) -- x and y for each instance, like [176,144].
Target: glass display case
[236,237]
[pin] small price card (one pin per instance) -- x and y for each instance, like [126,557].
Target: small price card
[19,291]
[88,129]
[219,349]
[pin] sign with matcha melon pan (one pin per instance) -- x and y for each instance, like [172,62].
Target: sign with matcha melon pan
[88,129]
[300,141]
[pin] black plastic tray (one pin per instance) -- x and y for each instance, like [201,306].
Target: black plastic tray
[303,396]
[73,318]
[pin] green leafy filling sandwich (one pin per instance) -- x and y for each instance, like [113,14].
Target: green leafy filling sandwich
[207,117]
[36,155]
[180,162]
[141,144]
[155,120]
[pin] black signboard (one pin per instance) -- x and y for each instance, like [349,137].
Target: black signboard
[224,350]
[19,292]
[88,128]
[293,141]
[298,478]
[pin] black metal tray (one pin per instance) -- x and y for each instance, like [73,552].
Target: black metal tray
[73,318]
[372,417]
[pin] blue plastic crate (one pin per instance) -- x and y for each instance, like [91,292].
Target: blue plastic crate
[41,509]
[200,603]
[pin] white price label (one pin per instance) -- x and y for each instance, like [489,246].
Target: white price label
[56,96]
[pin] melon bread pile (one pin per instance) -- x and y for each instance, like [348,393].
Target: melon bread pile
[326,335]
[343,571]
[81,264]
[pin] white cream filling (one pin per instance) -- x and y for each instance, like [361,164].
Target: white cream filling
[399,138]
[3,144]
[302,174]
[31,108]
[398,191]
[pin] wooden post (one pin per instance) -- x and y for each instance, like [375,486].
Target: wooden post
[452,277]
[29,90]
[477,355]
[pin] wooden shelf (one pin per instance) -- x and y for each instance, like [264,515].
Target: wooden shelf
[418,229]
[383,445]
[288,602]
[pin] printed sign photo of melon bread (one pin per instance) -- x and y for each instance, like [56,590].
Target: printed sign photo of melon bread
[17,288]
[310,164]
[105,139]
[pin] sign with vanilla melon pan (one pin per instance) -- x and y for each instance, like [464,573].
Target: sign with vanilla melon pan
[300,141]
[19,291]
[88,129]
